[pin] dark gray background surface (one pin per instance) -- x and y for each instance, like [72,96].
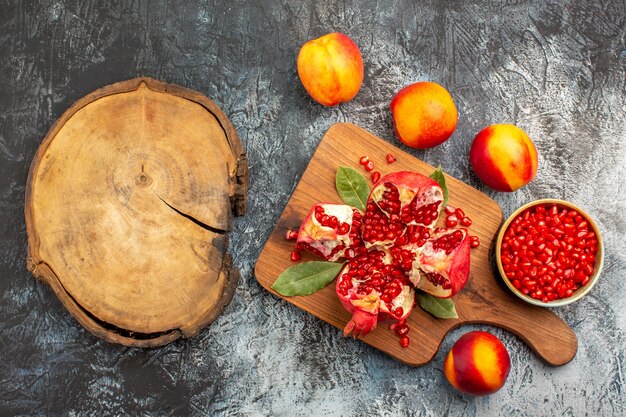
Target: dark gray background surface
[555,68]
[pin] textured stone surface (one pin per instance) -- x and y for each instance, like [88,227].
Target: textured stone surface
[555,68]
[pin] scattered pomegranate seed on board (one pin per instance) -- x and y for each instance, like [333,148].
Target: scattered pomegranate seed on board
[295,256]
[466,221]
[390,158]
[369,166]
[404,342]
[402,330]
[451,221]
[375,176]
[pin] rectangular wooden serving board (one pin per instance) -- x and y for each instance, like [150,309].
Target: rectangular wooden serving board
[483,300]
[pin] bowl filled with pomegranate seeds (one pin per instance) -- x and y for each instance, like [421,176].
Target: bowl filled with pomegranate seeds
[549,253]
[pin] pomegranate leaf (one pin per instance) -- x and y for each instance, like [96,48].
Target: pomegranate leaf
[442,308]
[306,278]
[441,179]
[352,187]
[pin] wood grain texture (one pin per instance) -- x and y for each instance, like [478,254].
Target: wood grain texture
[128,208]
[483,300]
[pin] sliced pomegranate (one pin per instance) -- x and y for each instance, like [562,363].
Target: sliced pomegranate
[443,263]
[392,248]
[371,286]
[414,198]
[330,230]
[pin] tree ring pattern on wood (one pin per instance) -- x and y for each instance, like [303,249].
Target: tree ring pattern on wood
[128,206]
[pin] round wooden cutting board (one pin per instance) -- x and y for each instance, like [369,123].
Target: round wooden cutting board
[128,208]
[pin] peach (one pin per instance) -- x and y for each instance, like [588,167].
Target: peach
[331,69]
[504,157]
[424,115]
[477,364]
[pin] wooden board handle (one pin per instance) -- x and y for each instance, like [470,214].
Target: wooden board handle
[544,332]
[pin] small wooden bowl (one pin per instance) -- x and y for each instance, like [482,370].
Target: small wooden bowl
[579,293]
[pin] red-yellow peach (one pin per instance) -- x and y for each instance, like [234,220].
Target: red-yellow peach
[477,364]
[424,115]
[331,69]
[504,157]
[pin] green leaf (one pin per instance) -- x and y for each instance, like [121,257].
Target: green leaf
[442,308]
[441,179]
[352,187]
[306,277]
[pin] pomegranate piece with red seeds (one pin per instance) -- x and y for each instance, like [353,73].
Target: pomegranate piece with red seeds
[415,198]
[330,231]
[444,263]
[373,286]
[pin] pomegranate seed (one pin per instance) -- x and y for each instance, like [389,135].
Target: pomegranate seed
[450,210]
[364,160]
[466,221]
[390,158]
[291,234]
[375,176]
[295,256]
[460,213]
[474,242]
[451,221]
[402,330]
[404,342]
[369,166]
